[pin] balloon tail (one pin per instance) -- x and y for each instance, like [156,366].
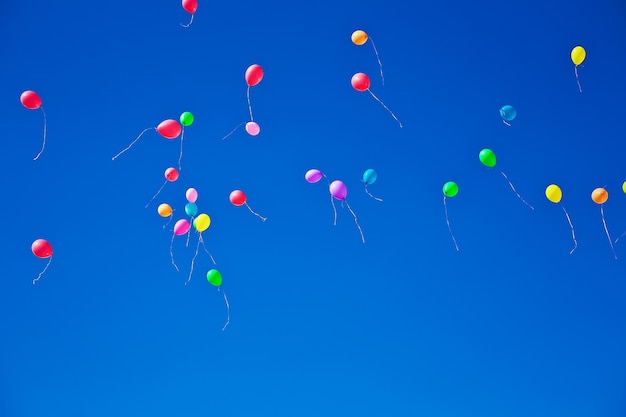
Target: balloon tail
[607,230]
[445,208]
[44,135]
[580,89]
[506,123]
[131,144]
[621,236]
[387,108]
[356,221]
[172,252]
[180,156]
[380,64]
[233,131]
[155,196]
[249,105]
[370,194]
[193,261]
[227,310]
[571,226]
[42,272]
[207,251]
[188,24]
[255,213]
[332,202]
[515,191]
[188,236]
[171,216]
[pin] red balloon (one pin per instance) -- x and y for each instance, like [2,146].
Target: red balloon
[190,6]
[41,248]
[254,75]
[360,82]
[30,100]
[169,128]
[238,198]
[171,174]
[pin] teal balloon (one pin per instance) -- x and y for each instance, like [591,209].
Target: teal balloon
[191,209]
[186,118]
[508,113]
[369,176]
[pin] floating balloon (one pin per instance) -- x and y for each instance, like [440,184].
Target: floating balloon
[32,101]
[171,175]
[215,278]
[339,190]
[253,128]
[624,187]
[200,223]
[578,55]
[165,210]
[186,119]
[41,248]
[488,158]
[507,113]
[314,175]
[450,189]
[369,177]
[253,76]
[359,37]
[238,198]
[181,227]
[600,196]
[191,209]
[169,129]
[190,7]
[192,195]
[361,82]
[554,195]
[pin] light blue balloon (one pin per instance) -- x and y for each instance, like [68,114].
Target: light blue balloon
[508,113]
[191,209]
[369,176]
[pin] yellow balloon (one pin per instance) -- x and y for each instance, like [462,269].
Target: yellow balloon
[554,193]
[578,55]
[202,222]
[164,210]
[359,37]
[624,187]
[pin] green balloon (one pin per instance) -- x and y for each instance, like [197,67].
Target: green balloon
[214,277]
[450,189]
[186,118]
[487,157]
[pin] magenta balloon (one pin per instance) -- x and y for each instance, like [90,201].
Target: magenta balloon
[313,175]
[181,227]
[191,195]
[253,128]
[338,190]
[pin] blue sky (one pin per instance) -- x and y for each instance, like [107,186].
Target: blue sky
[321,324]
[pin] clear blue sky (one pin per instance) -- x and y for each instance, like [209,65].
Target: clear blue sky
[321,324]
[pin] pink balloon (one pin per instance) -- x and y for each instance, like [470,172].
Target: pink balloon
[181,227]
[313,175]
[30,100]
[190,6]
[169,129]
[191,195]
[171,174]
[254,75]
[253,128]
[360,82]
[338,190]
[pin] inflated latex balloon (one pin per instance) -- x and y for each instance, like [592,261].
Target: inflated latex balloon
[599,195]
[253,75]
[202,222]
[487,157]
[214,277]
[190,7]
[171,174]
[578,55]
[361,82]
[32,101]
[369,176]
[186,118]
[191,195]
[41,248]
[507,113]
[181,227]
[191,209]
[358,37]
[165,210]
[338,189]
[624,187]
[314,175]
[169,129]
[253,128]
[238,198]
[554,193]
[450,189]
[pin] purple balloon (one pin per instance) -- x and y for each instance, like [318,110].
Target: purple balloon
[338,190]
[313,175]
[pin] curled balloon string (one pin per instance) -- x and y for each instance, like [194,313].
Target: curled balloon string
[132,143]
[44,135]
[193,261]
[515,191]
[571,226]
[445,208]
[621,236]
[234,130]
[370,194]
[155,196]
[188,24]
[227,310]
[172,252]
[355,220]
[42,272]
[387,108]
[206,250]
[332,201]
[580,89]
[182,135]
[506,123]
[380,64]
[607,230]
[255,213]
[189,233]
[171,216]
[249,105]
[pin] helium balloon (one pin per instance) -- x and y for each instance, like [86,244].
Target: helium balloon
[369,177]
[624,187]
[600,196]
[450,189]
[578,55]
[186,118]
[41,248]
[253,128]
[488,158]
[165,210]
[554,195]
[181,227]
[238,198]
[191,209]
[190,7]
[169,129]
[171,175]
[507,113]
[253,75]
[214,277]
[314,175]
[32,101]
[192,195]
[202,222]
[339,190]
[361,82]
[359,37]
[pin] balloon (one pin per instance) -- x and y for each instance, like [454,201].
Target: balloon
[359,37]
[30,100]
[624,186]
[450,189]
[181,227]
[41,248]
[238,198]
[338,190]
[369,176]
[190,6]
[186,118]
[487,157]
[578,55]
[202,222]
[314,175]
[164,210]
[508,113]
[191,209]
[599,196]
[554,193]
[360,82]
[254,75]
[171,174]
[253,128]
[214,277]
[169,129]
[191,194]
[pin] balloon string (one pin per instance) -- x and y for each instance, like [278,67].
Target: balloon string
[380,64]
[227,309]
[255,213]
[233,131]
[172,252]
[42,272]
[193,261]
[180,156]
[189,233]
[571,226]
[207,251]
[249,105]
[387,108]
[445,208]
[370,194]
[607,230]
[621,236]
[580,89]
[157,193]
[355,220]
[171,216]
[131,144]
[506,123]
[44,134]
[515,191]
[332,202]
[188,24]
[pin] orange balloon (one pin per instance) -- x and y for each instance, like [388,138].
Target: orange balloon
[359,37]
[599,196]
[164,210]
